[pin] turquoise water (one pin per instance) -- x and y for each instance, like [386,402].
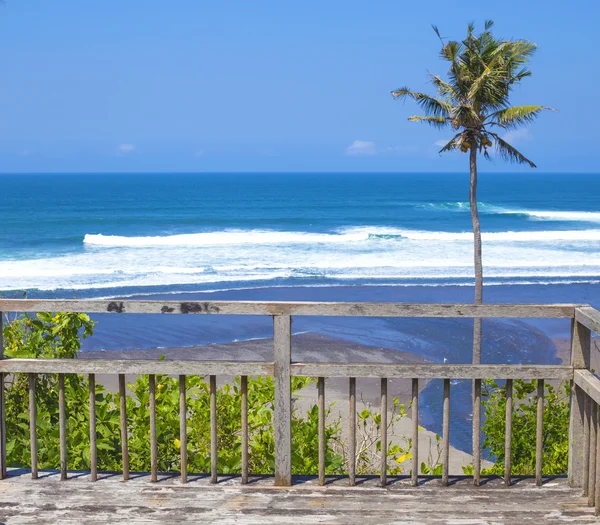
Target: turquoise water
[121,234]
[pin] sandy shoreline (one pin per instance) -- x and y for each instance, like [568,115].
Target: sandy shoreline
[310,347]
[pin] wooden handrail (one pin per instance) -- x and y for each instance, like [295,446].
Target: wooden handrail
[361,309]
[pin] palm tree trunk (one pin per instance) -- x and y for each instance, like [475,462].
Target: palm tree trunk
[476,253]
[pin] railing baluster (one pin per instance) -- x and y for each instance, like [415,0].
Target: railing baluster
[539,434]
[32,427]
[476,432]
[282,416]
[384,440]
[446,434]
[597,488]
[508,433]
[2,408]
[123,422]
[414,475]
[62,426]
[587,407]
[153,443]
[213,429]
[321,429]
[183,427]
[592,460]
[2,423]
[93,452]
[244,391]
[352,431]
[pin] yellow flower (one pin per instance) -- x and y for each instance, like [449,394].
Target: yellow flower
[160,387]
[177,443]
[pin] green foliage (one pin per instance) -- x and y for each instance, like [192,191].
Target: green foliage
[556,427]
[474,99]
[59,336]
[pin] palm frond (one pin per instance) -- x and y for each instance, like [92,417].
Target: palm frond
[510,153]
[452,144]
[516,116]
[433,106]
[437,122]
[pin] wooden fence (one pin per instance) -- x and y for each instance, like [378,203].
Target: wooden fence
[584,436]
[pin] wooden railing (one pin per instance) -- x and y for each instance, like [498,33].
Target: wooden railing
[584,436]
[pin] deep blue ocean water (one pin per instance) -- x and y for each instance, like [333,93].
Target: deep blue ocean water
[95,235]
[329,237]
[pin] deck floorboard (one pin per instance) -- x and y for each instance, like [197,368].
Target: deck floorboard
[137,501]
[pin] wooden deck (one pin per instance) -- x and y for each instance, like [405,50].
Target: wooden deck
[109,500]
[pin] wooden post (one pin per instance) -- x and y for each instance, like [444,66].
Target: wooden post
[183,428]
[446,434]
[213,429]
[580,358]
[153,443]
[593,439]
[508,432]
[62,426]
[93,451]
[244,392]
[321,429]
[597,494]
[476,432]
[414,475]
[282,343]
[539,434]
[352,432]
[123,422]
[384,429]
[32,427]
[2,409]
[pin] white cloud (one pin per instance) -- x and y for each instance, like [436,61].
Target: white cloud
[361,147]
[442,142]
[124,149]
[518,135]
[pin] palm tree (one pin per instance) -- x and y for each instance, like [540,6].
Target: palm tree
[474,102]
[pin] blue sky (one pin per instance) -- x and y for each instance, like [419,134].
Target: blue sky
[192,85]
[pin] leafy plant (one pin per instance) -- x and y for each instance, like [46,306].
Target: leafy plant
[556,427]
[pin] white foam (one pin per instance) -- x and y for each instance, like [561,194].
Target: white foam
[358,253]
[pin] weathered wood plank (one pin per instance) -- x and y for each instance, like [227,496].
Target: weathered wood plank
[431,371]
[183,427]
[2,407]
[597,493]
[593,449]
[62,426]
[321,427]
[508,433]
[282,417]
[588,317]
[32,427]
[244,409]
[213,429]
[2,424]
[384,431]
[153,442]
[539,433]
[233,368]
[588,383]
[446,434]
[276,308]
[135,366]
[414,475]
[476,432]
[93,449]
[352,431]
[123,427]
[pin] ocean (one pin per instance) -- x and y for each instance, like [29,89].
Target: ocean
[91,235]
[307,236]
